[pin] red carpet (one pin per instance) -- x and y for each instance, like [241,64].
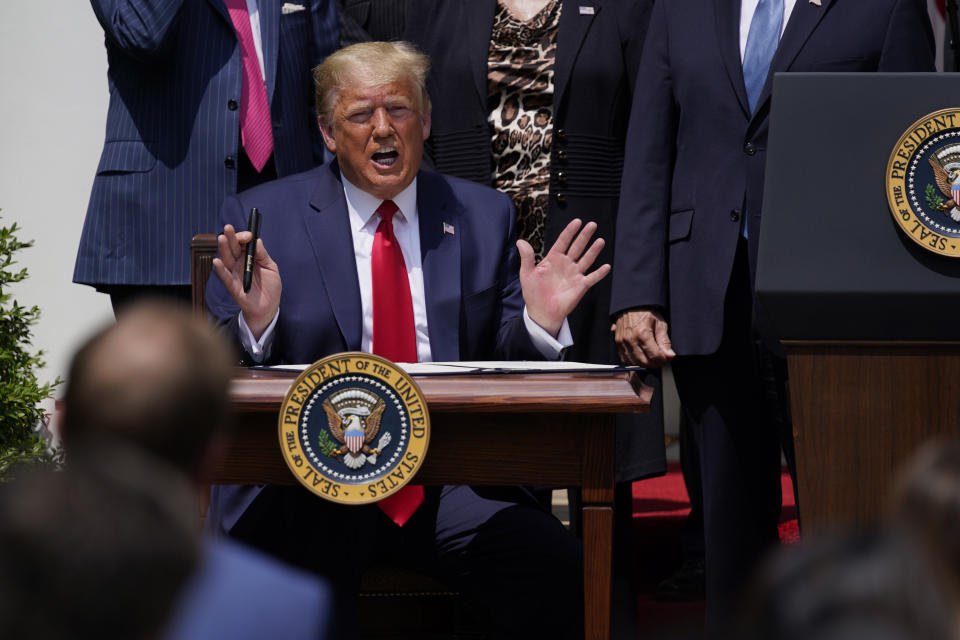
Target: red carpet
[659,507]
[665,498]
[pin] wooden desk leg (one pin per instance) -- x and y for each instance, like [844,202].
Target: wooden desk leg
[597,560]
[598,479]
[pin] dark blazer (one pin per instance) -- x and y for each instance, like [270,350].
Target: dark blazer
[173,136]
[696,156]
[598,53]
[365,20]
[470,278]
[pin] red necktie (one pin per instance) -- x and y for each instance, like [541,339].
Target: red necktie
[394,335]
[255,129]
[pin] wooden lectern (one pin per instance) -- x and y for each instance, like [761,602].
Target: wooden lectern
[866,314]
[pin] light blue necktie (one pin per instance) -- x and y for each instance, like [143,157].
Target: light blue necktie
[761,44]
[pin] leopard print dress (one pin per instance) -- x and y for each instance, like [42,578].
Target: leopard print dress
[520,104]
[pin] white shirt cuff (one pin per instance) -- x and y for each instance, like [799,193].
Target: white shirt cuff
[259,350]
[548,346]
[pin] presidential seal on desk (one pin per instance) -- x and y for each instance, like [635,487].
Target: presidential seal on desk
[923,182]
[354,428]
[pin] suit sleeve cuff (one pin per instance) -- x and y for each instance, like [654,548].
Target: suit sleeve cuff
[549,347]
[258,350]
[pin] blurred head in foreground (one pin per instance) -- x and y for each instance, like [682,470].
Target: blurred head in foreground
[157,378]
[899,581]
[99,550]
[927,505]
[877,585]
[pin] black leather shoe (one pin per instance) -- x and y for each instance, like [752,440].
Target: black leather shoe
[686,585]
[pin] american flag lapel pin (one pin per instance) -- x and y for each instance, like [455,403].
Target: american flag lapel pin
[448,228]
[586,11]
[815,3]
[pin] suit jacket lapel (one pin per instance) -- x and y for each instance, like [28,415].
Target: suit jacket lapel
[805,18]
[440,251]
[478,41]
[727,16]
[270,40]
[327,227]
[572,30]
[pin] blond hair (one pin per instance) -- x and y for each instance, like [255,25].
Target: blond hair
[378,63]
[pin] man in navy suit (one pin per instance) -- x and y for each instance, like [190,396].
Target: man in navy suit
[690,220]
[471,298]
[183,74]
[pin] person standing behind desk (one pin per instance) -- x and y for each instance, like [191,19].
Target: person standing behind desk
[207,98]
[533,98]
[690,221]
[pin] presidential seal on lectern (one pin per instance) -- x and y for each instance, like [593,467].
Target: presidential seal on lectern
[354,428]
[923,182]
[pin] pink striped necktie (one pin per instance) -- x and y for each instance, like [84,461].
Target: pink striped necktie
[394,332]
[255,129]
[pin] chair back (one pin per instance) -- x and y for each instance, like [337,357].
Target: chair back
[203,249]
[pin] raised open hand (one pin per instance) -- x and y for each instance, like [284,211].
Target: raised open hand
[553,287]
[260,304]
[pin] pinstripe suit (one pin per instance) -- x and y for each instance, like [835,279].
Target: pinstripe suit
[173,137]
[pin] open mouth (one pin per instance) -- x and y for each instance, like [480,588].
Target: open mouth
[385,157]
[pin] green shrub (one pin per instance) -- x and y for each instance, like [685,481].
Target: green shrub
[21,394]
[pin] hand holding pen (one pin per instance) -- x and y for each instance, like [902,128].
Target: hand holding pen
[249,274]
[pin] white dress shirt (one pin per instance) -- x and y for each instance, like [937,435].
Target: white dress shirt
[364,221]
[254,12]
[361,208]
[748,8]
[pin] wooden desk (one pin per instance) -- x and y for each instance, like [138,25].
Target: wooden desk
[546,429]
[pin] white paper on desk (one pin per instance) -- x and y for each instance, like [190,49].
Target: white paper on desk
[426,368]
[433,368]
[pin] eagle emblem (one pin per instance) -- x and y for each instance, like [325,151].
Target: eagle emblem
[353,417]
[946,173]
[923,182]
[371,437]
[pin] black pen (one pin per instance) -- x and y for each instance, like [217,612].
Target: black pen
[253,225]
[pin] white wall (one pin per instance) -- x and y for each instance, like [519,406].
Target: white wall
[53,104]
